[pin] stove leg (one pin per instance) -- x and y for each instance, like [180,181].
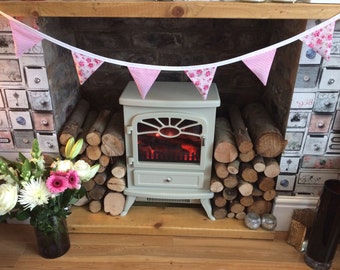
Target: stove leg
[128,203]
[207,207]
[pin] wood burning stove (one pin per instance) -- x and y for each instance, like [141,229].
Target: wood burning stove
[169,139]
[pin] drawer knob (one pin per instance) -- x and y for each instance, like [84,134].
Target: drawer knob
[44,122]
[310,54]
[43,102]
[25,141]
[168,180]
[321,124]
[37,80]
[49,145]
[21,121]
[306,78]
[316,147]
[328,104]
[331,81]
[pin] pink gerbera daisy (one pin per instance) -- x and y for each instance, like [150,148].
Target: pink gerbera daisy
[73,180]
[57,182]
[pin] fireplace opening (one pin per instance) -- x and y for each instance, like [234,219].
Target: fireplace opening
[169,142]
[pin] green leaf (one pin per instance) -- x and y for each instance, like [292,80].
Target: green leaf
[35,153]
[26,170]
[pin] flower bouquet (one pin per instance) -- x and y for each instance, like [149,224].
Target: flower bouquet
[44,193]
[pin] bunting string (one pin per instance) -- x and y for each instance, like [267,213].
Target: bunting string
[259,62]
[173,68]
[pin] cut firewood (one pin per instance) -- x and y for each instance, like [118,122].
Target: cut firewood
[96,193]
[269,195]
[266,137]
[100,178]
[219,212]
[247,173]
[82,201]
[258,164]
[89,121]
[236,207]
[221,169]
[245,188]
[219,200]
[88,185]
[113,136]
[216,184]
[95,206]
[234,166]
[119,168]
[256,192]
[93,152]
[93,137]
[240,216]
[225,149]
[114,203]
[272,167]
[260,207]
[101,169]
[230,181]
[242,138]
[247,157]
[73,125]
[116,184]
[104,160]
[265,183]
[229,193]
[246,200]
[231,215]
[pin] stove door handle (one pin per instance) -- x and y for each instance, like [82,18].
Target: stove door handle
[203,141]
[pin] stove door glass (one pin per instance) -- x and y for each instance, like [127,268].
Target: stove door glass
[170,139]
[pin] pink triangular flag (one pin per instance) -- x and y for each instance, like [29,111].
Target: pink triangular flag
[85,65]
[202,79]
[321,40]
[144,79]
[23,38]
[261,64]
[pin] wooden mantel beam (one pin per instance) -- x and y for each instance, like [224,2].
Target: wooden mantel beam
[168,9]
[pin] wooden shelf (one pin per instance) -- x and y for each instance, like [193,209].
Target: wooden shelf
[161,220]
[168,9]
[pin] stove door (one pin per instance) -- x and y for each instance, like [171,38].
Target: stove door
[168,139]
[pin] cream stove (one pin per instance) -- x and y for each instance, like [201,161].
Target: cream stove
[169,138]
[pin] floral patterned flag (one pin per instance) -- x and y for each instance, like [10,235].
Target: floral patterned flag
[144,79]
[261,64]
[85,66]
[321,40]
[202,79]
[23,38]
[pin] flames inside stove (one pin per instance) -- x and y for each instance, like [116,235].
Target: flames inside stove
[169,139]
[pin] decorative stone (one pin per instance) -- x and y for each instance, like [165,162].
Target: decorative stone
[269,222]
[252,221]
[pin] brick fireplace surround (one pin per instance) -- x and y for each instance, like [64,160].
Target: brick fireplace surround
[171,33]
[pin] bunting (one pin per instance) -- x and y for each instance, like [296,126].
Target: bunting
[85,66]
[261,64]
[202,79]
[23,40]
[144,79]
[321,40]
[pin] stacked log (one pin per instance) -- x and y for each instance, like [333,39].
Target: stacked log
[247,145]
[102,132]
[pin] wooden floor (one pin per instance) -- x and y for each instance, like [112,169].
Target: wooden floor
[156,249]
